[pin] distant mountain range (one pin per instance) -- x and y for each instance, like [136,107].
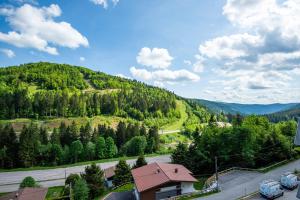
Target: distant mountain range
[247,109]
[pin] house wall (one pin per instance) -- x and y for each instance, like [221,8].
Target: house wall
[151,194]
[187,187]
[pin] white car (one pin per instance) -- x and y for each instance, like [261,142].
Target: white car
[270,189]
[289,180]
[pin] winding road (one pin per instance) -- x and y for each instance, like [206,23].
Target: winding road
[9,181]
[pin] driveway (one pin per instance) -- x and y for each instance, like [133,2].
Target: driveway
[238,184]
[9,181]
[121,196]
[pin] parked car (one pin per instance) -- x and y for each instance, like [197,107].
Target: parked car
[289,180]
[270,189]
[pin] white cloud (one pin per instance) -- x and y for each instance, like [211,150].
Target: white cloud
[164,75]
[104,3]
[156,58]
[35,27]
[264,52]
[9,53]
[198,66]
[187,62]
[82,59]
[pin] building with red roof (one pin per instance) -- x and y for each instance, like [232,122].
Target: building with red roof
[160,181]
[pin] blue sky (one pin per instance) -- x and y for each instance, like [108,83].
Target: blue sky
[233,51]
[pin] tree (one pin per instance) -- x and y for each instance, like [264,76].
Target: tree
[110,148]
[85,133]
[28,182]
[71,179]
[179,155]
[28,145]
[90,151]
[100,148]
[43,135]
[122,173]
[80,190]
[73,131]
[56,154]
[121,134]
[55,137]
[153,133]
[140,162]
[76,149]
[93,176]
[135,146]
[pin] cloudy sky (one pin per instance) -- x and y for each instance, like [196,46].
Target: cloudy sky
[245,51]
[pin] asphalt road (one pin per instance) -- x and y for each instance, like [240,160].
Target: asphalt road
[9,181]
[239,183]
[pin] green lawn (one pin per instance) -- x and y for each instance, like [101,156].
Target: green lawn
[200,184]
[124,188]
[177,124]
[55,192]
[173,138]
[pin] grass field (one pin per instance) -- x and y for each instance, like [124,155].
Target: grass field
[55,192]
[177,124]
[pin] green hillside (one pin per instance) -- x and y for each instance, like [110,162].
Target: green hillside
[49,93]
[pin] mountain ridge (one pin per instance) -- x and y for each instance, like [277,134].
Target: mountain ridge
[246,109]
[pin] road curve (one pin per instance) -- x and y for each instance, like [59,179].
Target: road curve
[9,181]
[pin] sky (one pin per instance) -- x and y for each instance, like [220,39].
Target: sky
[243,51]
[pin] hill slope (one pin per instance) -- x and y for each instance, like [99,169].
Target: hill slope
[247,109]
[50,91]
[291,113]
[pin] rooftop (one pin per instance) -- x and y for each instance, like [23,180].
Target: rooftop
[156,174]
[26,194]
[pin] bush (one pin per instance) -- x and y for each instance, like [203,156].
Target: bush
[28,182]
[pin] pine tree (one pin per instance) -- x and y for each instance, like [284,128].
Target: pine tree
[140,162]
[55,137]
[43,135]
[153,133]
[110,148]
[122,173]
[121,134]
[73,131]
[100,148]
[76,149]
[93,175]
[28,145]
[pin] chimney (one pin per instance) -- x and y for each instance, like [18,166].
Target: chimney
[157,170]
[176,170]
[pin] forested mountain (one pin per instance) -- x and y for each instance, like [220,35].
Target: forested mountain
[40,90]
[244,109]
[292,113]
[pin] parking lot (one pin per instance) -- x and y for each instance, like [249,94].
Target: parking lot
[290,195]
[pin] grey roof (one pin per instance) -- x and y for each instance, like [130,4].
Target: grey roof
[297,137]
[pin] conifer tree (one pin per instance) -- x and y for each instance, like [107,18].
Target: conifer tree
[122,173]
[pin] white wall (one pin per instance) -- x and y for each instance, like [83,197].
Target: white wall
[187,187]
[136,194]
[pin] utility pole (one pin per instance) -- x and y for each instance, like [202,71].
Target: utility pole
[216,168]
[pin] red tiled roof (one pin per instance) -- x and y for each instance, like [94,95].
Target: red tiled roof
[26,194]
[156,174]
[109,172]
